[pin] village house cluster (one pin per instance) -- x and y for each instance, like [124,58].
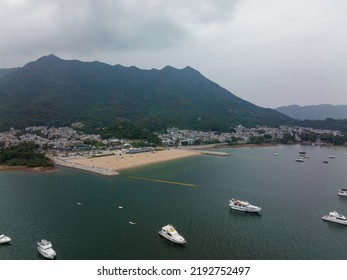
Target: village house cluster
[57,138]
[69,139]
[241,135]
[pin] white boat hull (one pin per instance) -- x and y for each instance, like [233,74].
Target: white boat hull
[181,241]
[243,209]
[333,220]
[45,249]
[342,192]
[4,239]
[243,206]
[48,254]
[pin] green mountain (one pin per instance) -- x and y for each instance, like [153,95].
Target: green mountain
[5,71]
[53,91]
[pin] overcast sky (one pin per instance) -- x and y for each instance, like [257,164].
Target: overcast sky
[268,52]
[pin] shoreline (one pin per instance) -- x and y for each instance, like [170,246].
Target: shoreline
[38,169]
[249,146]
[91,169]
[111,165]
[225,145]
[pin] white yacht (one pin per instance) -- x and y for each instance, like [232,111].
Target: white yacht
[336,218]
[45,249]
[331,156]
[169,232]
[4,239]
[342,192]
[245,206]
[299,160]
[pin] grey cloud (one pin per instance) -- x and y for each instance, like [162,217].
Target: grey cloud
[269,52]
[83,26]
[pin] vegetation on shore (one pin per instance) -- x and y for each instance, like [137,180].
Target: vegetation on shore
[26,154]
[124,129]
[329,123]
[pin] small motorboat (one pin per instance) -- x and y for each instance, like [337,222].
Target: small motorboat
[45,249]
[4,239]
[325,161]
[299,160]
[170,233]
[342,192]
[245,206]
[335,218]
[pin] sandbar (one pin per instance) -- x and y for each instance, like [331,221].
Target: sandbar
[126,161]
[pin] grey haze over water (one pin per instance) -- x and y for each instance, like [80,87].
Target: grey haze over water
[294,197]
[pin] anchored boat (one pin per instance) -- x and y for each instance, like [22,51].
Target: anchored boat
[342,192]
[245,206]
[45,249]
[4,239]
[335,218]
[170,233]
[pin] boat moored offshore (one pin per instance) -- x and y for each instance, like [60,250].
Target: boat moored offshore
[170,233]
[342,192]
[4,239]
[335,218]
[45,248]
[245,206]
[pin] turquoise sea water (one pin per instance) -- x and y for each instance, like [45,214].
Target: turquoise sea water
[294,197]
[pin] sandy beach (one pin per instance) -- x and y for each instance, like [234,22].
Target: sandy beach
[125,161]
[110,165]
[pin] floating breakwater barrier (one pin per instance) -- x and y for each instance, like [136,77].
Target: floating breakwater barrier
[213,153]
[162,181]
